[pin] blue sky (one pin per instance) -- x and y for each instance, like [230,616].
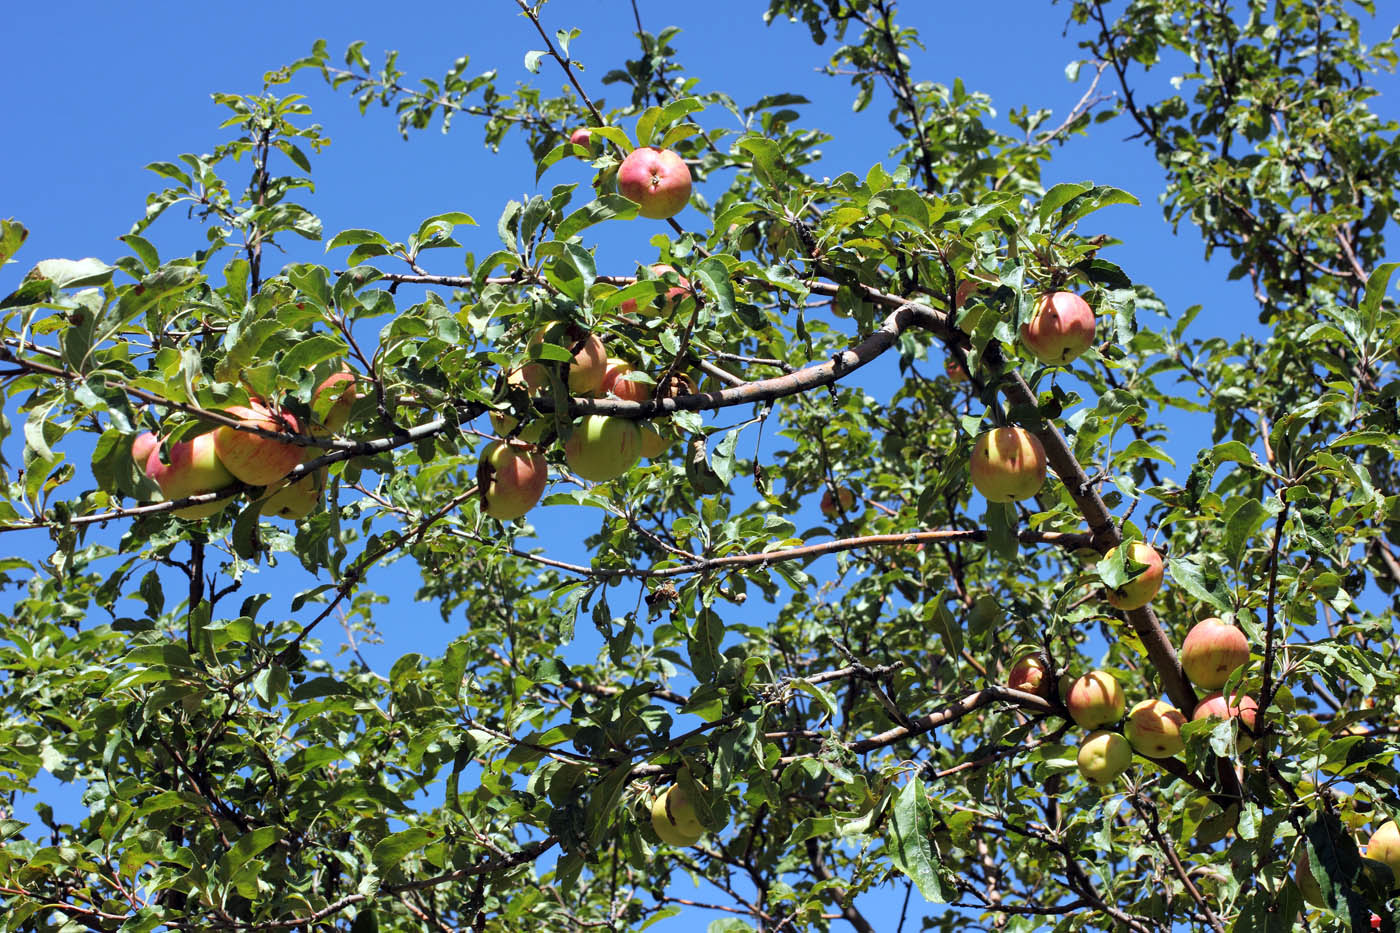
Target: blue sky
[97,91]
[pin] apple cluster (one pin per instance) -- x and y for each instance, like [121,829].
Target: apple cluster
[513,471]
[215,460]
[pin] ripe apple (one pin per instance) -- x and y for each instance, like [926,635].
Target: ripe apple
[581,137]
[1061,328]
[511,479]
[1215,706]
[1211,652]
[1029,674]
[828,504]
[603,448]
[294,500]
[1095,700]
[1138,592]
[252,458]
[1103,756]
[141,447]
[1008,464]
[1154,729]
[626,389]
[657,179]
[194,468]
[654,442]
[954,369]
[666,304]
[1384,847]
[332,400]
[674,820]
[589,364]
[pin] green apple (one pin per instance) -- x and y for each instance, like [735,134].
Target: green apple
[1008,464]
[1212,651]
[1103,756]
[294,500]
[510,479]
[1139,590]
[1384,847]
[673,817]
[1154,729]
[654,441]
[1095,699]
[603,448]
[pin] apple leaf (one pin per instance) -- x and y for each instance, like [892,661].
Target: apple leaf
[908,839]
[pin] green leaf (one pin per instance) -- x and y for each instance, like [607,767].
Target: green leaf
[246,848]
[74,273]
[908,839]
[392,849]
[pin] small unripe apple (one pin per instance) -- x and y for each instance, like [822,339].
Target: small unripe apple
[1154,729]
[603,448]
[586,370]
[1029,674]
[828,504]
[1103,756]
[626,389]
[581,137]
[332,400]
[295,500]
[657,179]
[664,305]
[194,468]
[252,458]
[1138,591]
[654,441]
[1213,649]
[1095,700]
[674,820]
[1061,328]
[511,479]
[1008,464]
[1384,847]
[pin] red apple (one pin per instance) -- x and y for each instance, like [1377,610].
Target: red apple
[657,179]
[589,364]
[1095,700]
[1008,464]
[828,504]
[1154,729]
[603,448]
[1384,847]
[333,399]
[667,303]
[1061,328]
[965,290]
[142,446]
[674,820]
[1213,649]
[955,371]
[1138,591]
[581,137]
[1029,674]
[194,468]
[1215,706]
[252,458]
[626,389]
[1103,756]
[511,479]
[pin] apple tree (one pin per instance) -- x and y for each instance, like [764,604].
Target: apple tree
[834,660]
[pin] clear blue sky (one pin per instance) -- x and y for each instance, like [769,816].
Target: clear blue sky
[98,90]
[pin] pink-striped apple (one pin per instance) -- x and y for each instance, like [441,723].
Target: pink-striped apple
[194,468]
[628,390]
[1138,591]
[1216,706]
[252,458]
[657,179]
[586,370]
[1154,729]
[1061,328]
[1008,464]
[1213,649]
[1029,674]
[1095,699]
[603,448]
[511,478]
